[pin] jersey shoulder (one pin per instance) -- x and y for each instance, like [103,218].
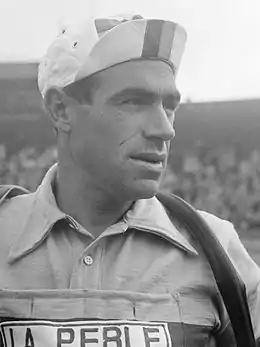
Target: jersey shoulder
[222,228]
[9,191]
[15,202]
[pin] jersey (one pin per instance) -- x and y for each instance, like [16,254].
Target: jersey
[147,285]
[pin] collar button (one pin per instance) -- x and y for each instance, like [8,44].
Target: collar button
[88,260]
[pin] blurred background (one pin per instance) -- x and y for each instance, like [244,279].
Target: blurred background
[215,158]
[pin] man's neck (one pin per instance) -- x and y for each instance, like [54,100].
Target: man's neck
[93,208]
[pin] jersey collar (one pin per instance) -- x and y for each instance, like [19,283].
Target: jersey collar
[146,215]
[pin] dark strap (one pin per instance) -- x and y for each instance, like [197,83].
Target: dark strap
[229,283]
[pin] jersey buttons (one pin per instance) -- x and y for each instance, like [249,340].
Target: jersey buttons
[88,260]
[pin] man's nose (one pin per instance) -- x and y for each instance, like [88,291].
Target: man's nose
[159,124]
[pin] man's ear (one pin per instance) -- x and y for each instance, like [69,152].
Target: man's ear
[55,101]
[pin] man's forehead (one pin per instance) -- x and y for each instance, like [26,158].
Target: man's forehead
[155,76]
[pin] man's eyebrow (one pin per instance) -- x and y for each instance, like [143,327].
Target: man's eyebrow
[132,91]
[142,92]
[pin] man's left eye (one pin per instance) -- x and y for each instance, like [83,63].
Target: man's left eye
[133,101]
[170,107]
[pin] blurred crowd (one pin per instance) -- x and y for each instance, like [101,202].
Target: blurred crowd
[213,180]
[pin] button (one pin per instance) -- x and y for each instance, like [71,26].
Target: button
[88,260]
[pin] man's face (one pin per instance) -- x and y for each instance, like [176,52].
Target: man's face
[121,141]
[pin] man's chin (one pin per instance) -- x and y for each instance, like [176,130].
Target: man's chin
[145,189]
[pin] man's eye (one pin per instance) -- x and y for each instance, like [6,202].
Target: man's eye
[171,107]
[133,101]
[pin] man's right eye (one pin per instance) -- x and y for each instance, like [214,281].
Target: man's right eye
[133,101]
[138,101]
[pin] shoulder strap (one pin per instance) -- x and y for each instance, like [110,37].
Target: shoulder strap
[229,283]
[10,191]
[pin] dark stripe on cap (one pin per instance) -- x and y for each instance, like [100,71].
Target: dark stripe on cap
[152,38]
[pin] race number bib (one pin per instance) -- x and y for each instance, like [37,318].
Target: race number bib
[81,319]
[90,333]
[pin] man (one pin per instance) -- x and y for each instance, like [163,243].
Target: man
[92,258]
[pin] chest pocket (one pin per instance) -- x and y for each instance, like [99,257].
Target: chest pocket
[101,319]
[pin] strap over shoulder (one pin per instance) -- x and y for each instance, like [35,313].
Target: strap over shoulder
[230,285]
[9,191]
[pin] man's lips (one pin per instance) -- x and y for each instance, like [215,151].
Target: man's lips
[154,159]
[150,157]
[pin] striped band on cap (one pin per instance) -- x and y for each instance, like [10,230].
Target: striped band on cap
[158,39]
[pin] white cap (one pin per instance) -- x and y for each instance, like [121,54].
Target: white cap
[94,45]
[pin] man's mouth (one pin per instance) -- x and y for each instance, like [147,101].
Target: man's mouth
[155,164]
[155,160]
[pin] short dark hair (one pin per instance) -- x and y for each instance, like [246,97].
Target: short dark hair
[83,90]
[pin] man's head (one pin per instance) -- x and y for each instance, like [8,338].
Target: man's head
[115,124]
